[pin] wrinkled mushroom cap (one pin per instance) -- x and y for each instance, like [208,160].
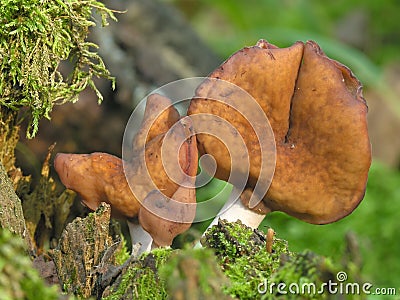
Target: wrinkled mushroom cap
[97,177]
[159,117]
[318,115]
[147,169]
[100,177]
[164,215]
[163,230]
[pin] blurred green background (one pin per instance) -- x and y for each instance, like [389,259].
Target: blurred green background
[364,35]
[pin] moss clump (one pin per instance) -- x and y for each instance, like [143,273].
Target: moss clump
[18,278]
[170,274]
[301,272]
[242,254]
[233,240]
[254,273]
[35,37]
[140,280]
[194,274]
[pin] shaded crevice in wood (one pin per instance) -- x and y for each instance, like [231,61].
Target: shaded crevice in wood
[46,210]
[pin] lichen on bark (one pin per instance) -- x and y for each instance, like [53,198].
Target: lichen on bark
[85,252]
[11,214]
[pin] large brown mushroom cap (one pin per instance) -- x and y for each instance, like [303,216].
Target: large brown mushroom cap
[318,115]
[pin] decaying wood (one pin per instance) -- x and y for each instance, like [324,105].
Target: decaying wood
[85,251]
[45,209]
[11,214]
[9,136]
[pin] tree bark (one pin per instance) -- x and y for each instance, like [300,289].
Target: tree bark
[11,214]
[86,252]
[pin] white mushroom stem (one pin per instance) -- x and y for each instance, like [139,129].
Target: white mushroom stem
[234,210]
[141,239]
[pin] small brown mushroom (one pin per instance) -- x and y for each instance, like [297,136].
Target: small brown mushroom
[100,177]
[97,177]
[163,215]
[318,115]
[159,117]
[180,218]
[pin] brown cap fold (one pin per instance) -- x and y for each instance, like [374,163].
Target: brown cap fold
[316,110]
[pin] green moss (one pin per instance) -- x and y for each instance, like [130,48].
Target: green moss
[141,280]
[122,253]
[302,269]
[254,273]
[160,256]
[233,240]
[234,263]
[243,256]
[35,37]
[171,274]
[18,278]
[138,283]
[193,274]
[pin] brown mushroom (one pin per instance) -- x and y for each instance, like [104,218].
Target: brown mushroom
[100,177]
[97,177]
[166,215]
[162,229]
[318,115]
